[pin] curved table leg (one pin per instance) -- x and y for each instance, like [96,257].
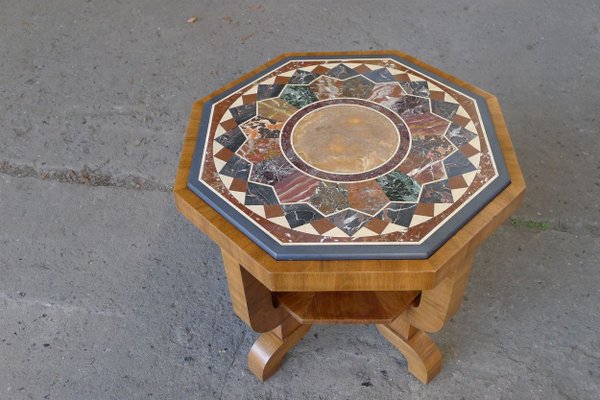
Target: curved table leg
[438,305]
[251,300]
[269,349]
[422,354]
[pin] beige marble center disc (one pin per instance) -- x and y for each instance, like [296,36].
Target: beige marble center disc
[345,139]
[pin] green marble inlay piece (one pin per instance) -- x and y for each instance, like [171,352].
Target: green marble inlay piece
[329,197]
[399,187]
[298,96]
[358,86]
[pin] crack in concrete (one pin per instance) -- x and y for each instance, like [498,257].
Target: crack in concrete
[85,176]
[67,309]
[233,358]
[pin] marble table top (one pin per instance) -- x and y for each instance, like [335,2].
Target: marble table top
[366,157]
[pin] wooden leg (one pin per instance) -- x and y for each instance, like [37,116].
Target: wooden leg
[438,305]
[267,352]
[254,304]
[251,300]
[422,354]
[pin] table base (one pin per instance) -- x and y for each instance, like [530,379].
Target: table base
[403,318]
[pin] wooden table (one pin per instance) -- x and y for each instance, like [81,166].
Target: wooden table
[347,188]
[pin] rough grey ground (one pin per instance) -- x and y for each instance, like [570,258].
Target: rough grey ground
[107,293]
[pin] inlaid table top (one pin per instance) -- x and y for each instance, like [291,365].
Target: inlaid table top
[347,157]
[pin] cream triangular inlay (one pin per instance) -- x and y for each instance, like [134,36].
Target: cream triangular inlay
[456,193]
[394,228]
[307,228]
[439,208]
[260,210]
[418,219]
[280,221]
[469,176]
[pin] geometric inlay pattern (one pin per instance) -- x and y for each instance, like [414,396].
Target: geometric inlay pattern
[323,158]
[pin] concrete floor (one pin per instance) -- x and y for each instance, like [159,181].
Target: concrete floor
[107,293]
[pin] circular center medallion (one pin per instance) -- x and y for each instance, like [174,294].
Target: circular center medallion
[345,139]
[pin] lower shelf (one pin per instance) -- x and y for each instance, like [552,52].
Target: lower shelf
[345,307]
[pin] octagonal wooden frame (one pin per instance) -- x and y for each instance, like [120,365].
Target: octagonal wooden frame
[350,275]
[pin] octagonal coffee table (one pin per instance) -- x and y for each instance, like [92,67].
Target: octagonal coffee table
[347,188]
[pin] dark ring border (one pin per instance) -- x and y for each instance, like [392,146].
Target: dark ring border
[298,162]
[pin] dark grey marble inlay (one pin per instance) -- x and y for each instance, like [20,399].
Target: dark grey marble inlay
[458,164]
[268,91]
[272,171]
[236,167]
[399,214]
[243,113]
[232,139]
[380,75]
[459,135]
[341,72]
[349,221]
[300,214]
[444,108]
[302,77]
[259,194]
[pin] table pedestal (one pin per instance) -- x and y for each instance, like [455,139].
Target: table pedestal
[402,317]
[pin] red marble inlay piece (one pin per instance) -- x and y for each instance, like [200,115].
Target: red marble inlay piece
[431,172]
[386,93]
[326,87]
[257,150]
[427,124]
[258,127]
[296,187]
[366,196]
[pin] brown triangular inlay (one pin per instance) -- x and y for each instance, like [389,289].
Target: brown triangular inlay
[362,69]
[402,78]
[224,154]
[229,124]
[377,225]
[457,182]
[322,225]
[425,209]
[435,95]
[462,121]
[272,211]
[239,185]
[468,150]
[249,98]
[320,70]
[281,80]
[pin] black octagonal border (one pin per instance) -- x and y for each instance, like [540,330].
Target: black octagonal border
[350,251]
